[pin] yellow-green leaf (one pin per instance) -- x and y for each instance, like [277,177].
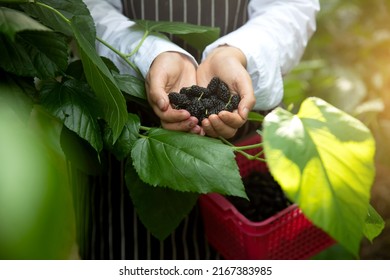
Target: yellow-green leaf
[324,161]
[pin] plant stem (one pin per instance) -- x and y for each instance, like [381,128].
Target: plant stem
[53,10]
[248,147]
[241,149]
[139,44]
[144,128]
[252,157]
[121,55]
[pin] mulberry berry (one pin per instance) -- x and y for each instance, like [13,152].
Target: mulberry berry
[197,91]
[208,103]
[235,100]
[229,107]
[218,107]
[197,110]
[223,92]
[180,101]
[213,85]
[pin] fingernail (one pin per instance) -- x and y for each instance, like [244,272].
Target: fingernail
[196,130]
[191,125]
[245,112]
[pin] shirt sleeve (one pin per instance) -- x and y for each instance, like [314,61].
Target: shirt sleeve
[123,34]
[273,41]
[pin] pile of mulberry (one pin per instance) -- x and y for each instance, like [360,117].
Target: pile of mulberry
[202,102]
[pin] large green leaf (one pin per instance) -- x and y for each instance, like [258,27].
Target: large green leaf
[101,81]
[130,133]
[57,14]
[12,22]
[324,161]
[159,209]
[34,54]
[48,51]
[73,104]
[79,153]
[133,87]
[198,36]
[187,162]
[36,211]
[15,58]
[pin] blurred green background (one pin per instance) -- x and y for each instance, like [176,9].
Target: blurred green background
[347,63]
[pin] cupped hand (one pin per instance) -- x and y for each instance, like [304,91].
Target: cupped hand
[169,72]
[229,64]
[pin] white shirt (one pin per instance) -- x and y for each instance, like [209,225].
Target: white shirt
[273,41]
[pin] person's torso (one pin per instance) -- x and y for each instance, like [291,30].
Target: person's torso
[228,15]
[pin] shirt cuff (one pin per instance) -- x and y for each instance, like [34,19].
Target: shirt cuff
[152,47]
[125,36]
[263,65]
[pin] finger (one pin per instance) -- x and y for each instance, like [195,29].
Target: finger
[208,128]
[156,94]
[215,127]
[185,125]
[197,130]
[203,78]
[246,104]
[222,128]
[233,120]
[172,115]
[243,87]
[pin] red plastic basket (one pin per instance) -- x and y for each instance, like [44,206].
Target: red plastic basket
[286,235]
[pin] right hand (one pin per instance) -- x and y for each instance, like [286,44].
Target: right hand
[170,71]
[229,64]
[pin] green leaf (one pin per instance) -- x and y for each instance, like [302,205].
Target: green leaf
[187,162]
[79,153]
[17,1]
[197,36]
[48,51]
[130,134]
[133,87]
[10,90]
[160,209]
[73,104]
[174,27]
[36,210]
[374,224]
[335,252]
[75,69]
[102,82]
[12,22]
[254,116]
[57,14]
[200,40]
[324,161]
[34,54]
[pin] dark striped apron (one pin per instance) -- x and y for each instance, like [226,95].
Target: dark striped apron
[108,227]
[228,15]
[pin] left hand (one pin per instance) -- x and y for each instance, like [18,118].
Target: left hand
[171,71]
